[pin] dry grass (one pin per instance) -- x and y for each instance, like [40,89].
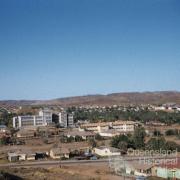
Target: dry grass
[68,172]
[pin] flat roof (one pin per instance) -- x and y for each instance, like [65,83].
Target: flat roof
[119,122]
[80,133]
[12,154]
[112,149]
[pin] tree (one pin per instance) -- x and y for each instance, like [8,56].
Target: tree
[156,133]
[92,143]
[98,137]
[117,139]
[123,146]
[170,145]
[70,139]
[126,141]
[45,140]
[4,140]
[78,138]
[13,131]
[172,132]
[156,144]
[139,137]
[6,118]
[161,144]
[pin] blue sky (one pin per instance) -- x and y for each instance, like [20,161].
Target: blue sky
[59,48]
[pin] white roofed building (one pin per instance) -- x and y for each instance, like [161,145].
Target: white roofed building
[43,119]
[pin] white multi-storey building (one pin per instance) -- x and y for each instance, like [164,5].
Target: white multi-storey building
[66,120]
[63,119]
[47,116]
[70,119]
[43,119]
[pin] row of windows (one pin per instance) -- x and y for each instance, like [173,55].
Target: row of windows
[27,123]
[27,118]
[30,121]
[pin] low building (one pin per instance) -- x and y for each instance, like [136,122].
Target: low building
[124,126]
[13,157]
[138,169]
[168,170]
[31,156]
[22,156]
[57,153]
[109,133]
[76,147]
[155,123]
[122,166]
[159,108]
[94,126]
[79,147]
[121,126]
[47,130]
[25,133]
[83,134]
[104,151]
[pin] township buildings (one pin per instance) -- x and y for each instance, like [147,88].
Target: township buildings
[44,118]
[106,128]
[168,170]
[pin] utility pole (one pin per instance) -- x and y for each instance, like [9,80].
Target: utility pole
[59,146]
[124,177]
[60,156]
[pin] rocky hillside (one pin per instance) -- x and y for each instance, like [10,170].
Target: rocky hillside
[103,100]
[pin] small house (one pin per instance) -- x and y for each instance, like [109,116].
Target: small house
[83,134]
[109,133]
[169,170]
[13,157]
[57,153]
[138,169]
[25,133]
[22,156]
[104,151]
[30,156]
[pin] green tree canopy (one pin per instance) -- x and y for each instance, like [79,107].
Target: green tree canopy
[139,137]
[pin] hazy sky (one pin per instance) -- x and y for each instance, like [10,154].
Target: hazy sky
[58,48]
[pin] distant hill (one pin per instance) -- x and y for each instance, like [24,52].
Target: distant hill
[104,100]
